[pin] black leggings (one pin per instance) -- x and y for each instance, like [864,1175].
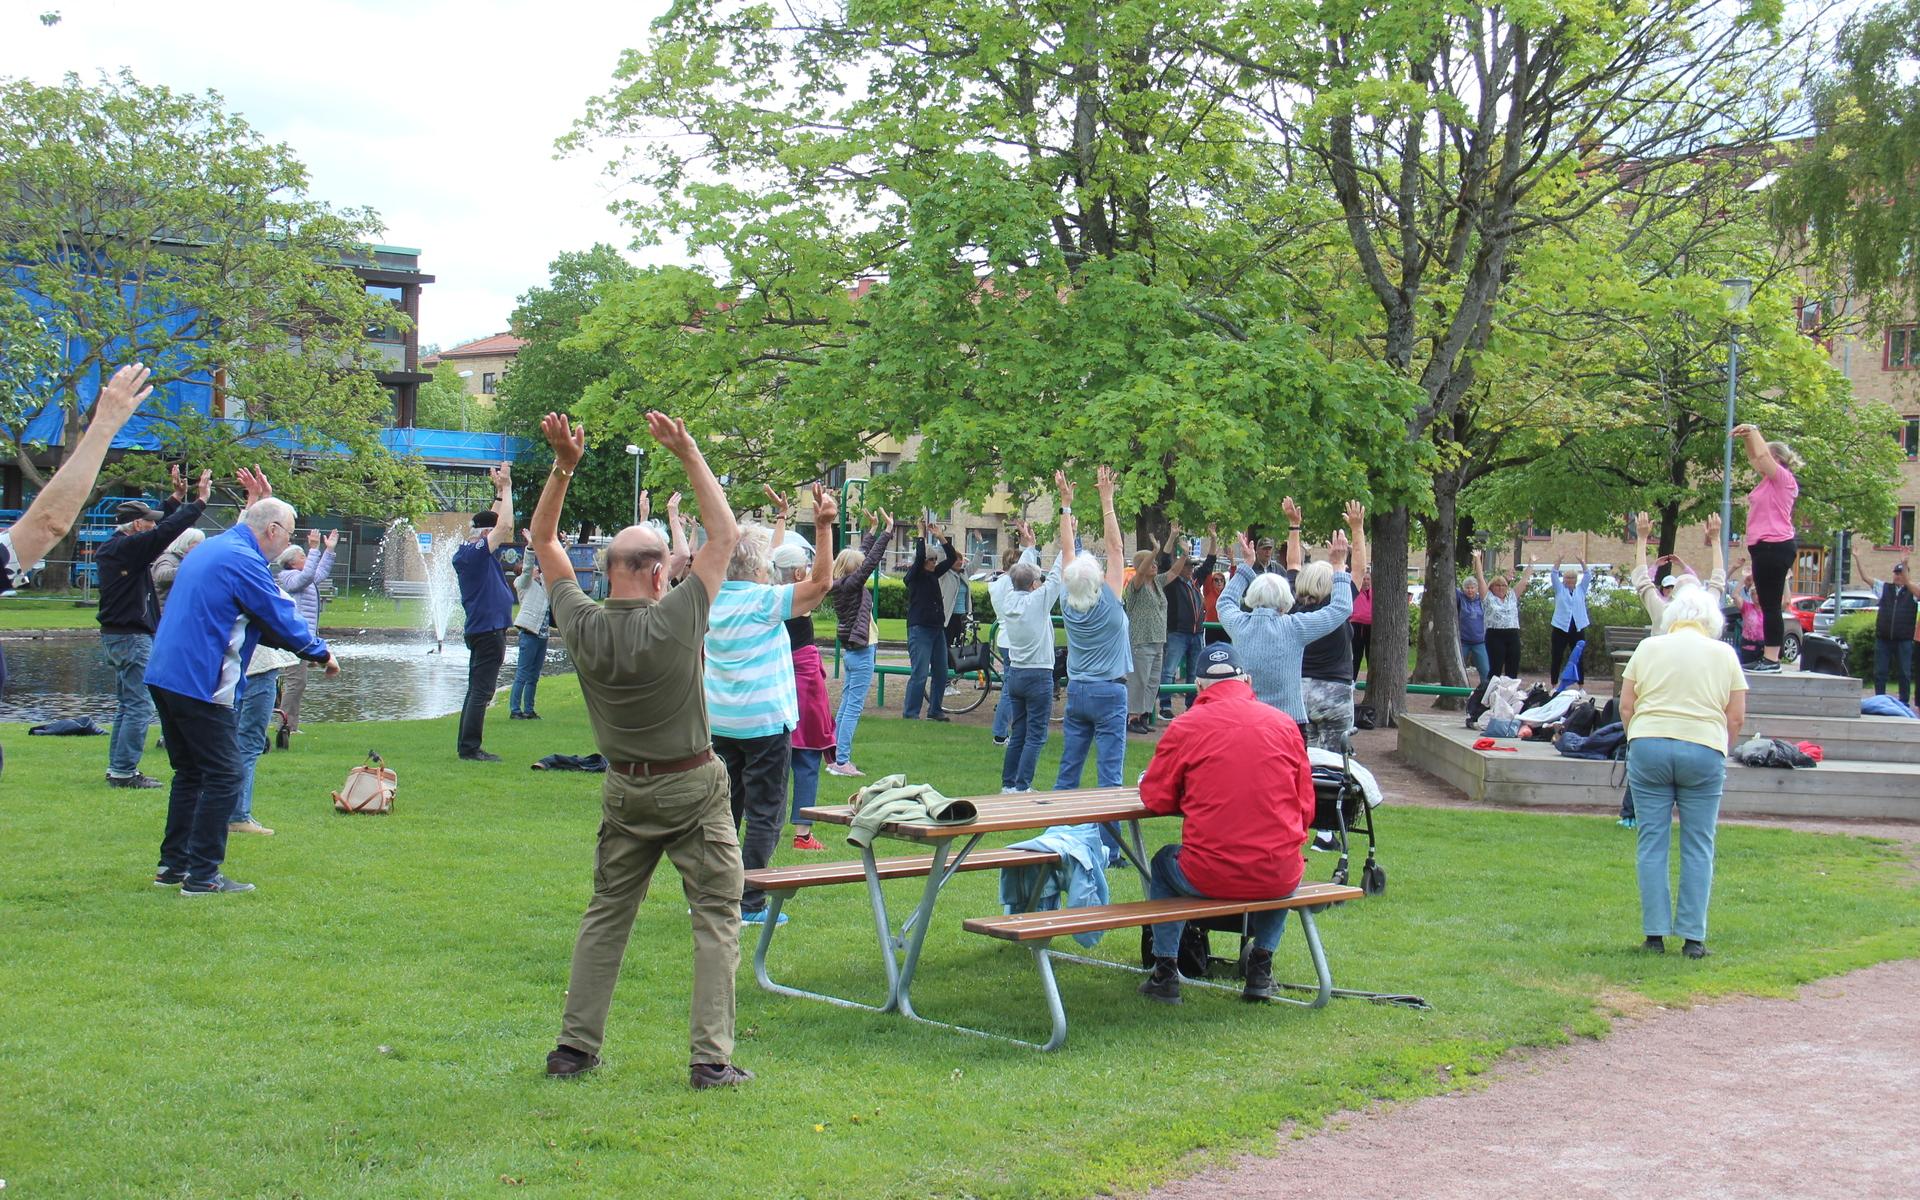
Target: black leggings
[1503,652]
[1362,639]
[1564,641]
[1772,563]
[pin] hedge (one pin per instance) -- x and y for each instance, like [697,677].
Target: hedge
[1857,631]
[893,599]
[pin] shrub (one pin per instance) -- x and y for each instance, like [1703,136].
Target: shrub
[893,599]
[1856,630]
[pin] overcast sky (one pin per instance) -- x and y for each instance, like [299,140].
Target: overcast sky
[439,114]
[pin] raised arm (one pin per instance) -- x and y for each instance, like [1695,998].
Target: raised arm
[723,532]
[808,593]
[1107,483]
[1716,553]
[782,513]
[1064,490]
[1758,456]
[1292,512]
[1480,572]
[61,498]
[1357,534]
[1233,618]
[502,531]
[680,552]
[543,534]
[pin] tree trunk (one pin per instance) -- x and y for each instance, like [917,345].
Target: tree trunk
[1387,657]
[1669,531]
[1439,621]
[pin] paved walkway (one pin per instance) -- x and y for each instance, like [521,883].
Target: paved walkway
[1811,1098]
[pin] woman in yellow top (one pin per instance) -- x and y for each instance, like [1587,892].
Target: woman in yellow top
[1683,698]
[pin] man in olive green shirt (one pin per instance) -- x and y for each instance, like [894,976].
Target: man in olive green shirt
[638,659]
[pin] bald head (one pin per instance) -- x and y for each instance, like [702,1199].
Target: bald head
[637,562]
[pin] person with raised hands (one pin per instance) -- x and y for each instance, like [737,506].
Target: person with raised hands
[1257,611]
[855,631]
[1099,650]
[637,656]
[487,598]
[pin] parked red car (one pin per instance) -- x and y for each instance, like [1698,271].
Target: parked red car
[1802,608]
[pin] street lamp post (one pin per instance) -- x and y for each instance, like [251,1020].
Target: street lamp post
[638,454]
[1739,291]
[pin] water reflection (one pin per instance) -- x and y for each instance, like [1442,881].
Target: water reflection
[379,680]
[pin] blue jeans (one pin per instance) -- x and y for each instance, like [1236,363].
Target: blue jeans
[1183,658]
[806,781]
[1168,883]
[1028,699]
[127,653]
[1668,775]
[1476,655]
[251,717]
[927,648]
[205,755]
[1002,714]
[1897,654]
[526,673]
[1096,717]
[857,677]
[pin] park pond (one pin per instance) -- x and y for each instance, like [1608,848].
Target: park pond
[381,679]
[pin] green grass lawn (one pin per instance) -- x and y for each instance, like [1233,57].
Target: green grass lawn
[372,1022]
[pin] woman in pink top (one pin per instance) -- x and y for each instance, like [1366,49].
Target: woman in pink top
[1770,544]
[1362,620]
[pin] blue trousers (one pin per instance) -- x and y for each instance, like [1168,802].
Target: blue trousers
[251,717]
[1168,883]
[1897,654]
[128,653]
[1097,719]
[1001,717]
[806,782]
[1476,655]
[1183,659]
[1669,776]
[857,666]
[927,649]
[526,672]
[1028,697]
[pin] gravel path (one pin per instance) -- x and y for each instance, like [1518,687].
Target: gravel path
[1812,1098]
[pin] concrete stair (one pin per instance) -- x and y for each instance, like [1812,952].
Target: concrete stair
[1871,767]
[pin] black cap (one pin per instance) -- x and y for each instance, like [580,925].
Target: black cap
[486,519]
[130,511]
[1218,661]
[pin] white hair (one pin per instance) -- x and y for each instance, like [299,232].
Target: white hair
[268,511]
[1084,578]
[1271,591]
[289,554]
[1024,576]
[752,559]
[1693,606]
[188,539]
[1314,583]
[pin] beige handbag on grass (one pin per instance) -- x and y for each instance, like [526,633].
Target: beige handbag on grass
[369,788]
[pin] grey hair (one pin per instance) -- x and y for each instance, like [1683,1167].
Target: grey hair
[752,559]
[1271,591]
[1314,584]
[1084,578]
[188,539]
[1693,606]
[288,555]
[268,511]
[1024,576]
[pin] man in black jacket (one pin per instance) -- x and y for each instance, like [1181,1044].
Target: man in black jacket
[927,625]
[129,611]
[1186,621]
[1892,631]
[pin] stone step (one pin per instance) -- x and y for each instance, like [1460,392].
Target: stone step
[1537,774]
[1803,694]
[1866,739]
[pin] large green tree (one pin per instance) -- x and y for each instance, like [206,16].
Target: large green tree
[143,224]
[553,372]
[1022,237]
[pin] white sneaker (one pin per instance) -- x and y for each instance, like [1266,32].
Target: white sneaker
[847,769]
[249,827]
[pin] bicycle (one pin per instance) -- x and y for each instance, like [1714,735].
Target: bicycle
[967,689]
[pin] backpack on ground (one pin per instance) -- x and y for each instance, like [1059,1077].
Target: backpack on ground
[369,788]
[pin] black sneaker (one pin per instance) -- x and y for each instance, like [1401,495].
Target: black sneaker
[1164,984]
[565,1062]
[480,756]
[1259,987]
[1654,944]
[166,878]
[1764,667]
[516,716]
[217,886]
[531,715]
[1166,713]
[135,780]
[712,1075]
[1694,949]
[999,739]
[938,716]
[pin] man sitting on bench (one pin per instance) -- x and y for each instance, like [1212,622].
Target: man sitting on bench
[1237,770]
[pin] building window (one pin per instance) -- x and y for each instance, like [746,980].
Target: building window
[489,383]
[982,550]
[1903,349]
[1809,315]
[386,331]
[837,478]
[1534,531]
[878,467]
[1903,527]
[1909,436]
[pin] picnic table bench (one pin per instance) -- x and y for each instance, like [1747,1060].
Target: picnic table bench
[900,949]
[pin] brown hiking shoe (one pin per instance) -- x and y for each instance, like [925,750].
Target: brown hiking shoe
[713,1075]
[565,1062]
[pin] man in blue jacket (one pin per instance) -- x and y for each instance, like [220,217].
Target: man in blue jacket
[488,601]
[130,610]
[224,602]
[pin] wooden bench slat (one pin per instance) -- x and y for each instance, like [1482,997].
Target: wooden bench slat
[781,879]
[1027,927]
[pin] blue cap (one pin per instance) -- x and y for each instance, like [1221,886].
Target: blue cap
[1218,661]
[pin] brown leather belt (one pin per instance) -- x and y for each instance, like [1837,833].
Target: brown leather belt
[647,769]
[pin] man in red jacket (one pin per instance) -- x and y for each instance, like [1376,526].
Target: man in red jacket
[1237,770]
